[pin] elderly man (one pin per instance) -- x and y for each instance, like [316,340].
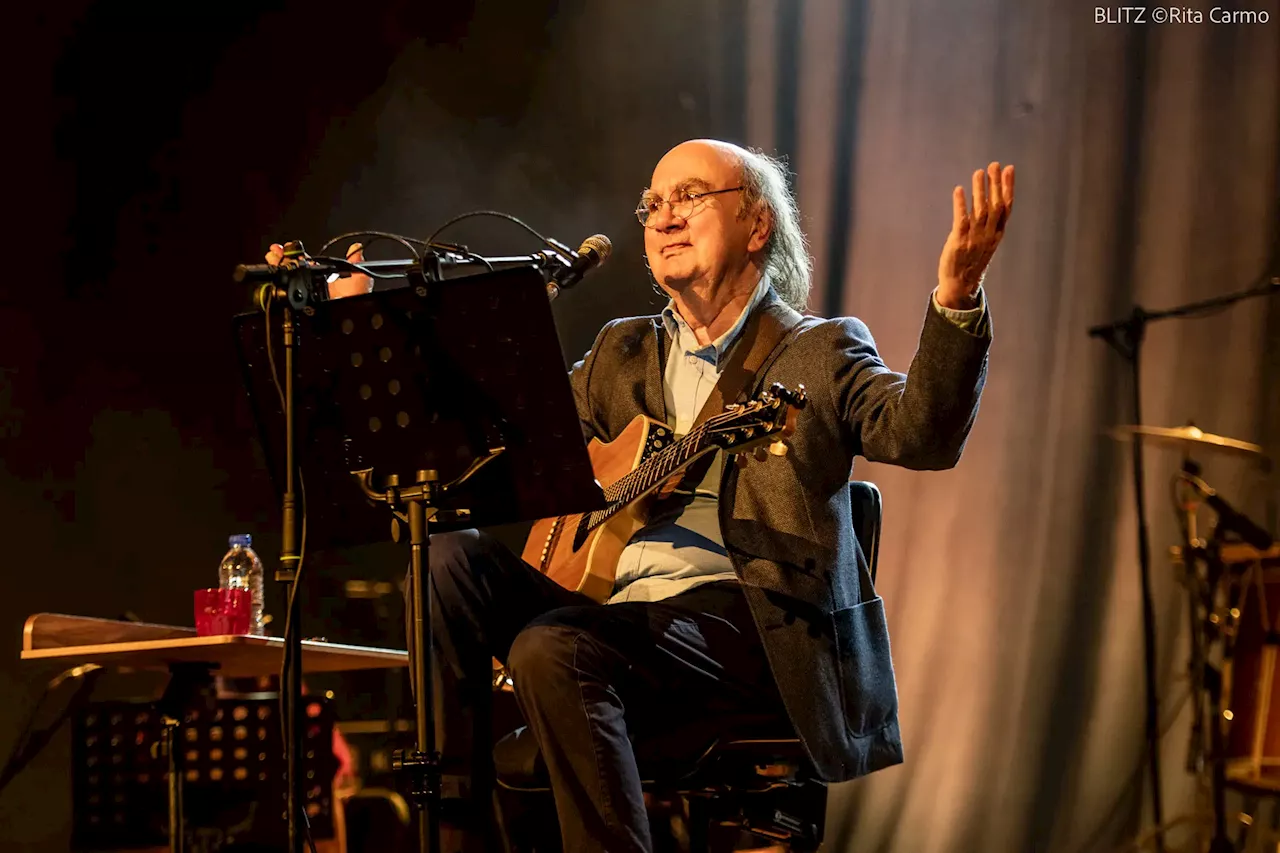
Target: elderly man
[749,593]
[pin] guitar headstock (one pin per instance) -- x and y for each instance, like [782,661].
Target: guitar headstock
[769,418]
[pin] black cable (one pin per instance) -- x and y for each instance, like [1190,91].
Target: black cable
[407,242]
[496,213]
[411,243]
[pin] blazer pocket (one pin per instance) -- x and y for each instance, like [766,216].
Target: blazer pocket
[866,666]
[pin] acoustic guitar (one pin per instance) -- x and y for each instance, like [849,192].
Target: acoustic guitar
[644,463]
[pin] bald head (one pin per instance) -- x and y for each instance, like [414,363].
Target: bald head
[714,242]
[726,154]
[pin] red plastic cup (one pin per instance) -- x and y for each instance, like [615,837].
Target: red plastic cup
[223,611]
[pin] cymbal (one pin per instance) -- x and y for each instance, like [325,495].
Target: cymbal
[1187,438]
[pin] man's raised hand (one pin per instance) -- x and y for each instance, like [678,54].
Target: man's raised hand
[974,236]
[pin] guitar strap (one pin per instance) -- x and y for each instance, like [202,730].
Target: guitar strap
[766,328]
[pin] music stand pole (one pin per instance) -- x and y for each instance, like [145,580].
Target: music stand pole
[426,762]
[422,767]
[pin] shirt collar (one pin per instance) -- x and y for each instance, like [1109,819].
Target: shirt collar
[714,352]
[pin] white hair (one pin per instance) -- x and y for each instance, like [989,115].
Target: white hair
[786,254]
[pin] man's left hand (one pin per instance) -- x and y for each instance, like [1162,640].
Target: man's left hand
[974,236]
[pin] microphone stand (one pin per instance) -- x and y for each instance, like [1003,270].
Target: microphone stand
[296,286]
[1126,336]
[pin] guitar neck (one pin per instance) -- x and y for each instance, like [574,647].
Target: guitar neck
[654,471]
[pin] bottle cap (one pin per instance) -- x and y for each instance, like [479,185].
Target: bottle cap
[242,539]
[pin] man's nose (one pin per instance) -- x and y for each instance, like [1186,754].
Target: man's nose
[665,220]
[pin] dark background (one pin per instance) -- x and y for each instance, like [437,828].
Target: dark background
[153,147]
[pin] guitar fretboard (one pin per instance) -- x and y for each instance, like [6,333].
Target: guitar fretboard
[651,472]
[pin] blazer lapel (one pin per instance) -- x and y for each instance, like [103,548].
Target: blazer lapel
[655,371]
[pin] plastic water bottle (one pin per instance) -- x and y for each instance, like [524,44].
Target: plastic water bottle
[241,569]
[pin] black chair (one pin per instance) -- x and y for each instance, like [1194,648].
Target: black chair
[748,776]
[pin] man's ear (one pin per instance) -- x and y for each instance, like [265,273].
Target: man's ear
[761,230]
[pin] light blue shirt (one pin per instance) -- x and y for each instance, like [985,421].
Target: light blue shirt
[684,548]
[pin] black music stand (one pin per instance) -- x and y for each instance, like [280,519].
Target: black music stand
[456,389]
[228,758]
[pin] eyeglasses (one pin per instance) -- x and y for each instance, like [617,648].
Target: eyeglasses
[683,203]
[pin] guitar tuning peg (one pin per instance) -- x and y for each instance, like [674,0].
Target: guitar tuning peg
[794,398]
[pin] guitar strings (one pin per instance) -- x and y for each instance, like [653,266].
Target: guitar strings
[636,483]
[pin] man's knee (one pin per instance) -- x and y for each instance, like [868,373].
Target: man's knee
[451,559]
[542,656]
[455,550]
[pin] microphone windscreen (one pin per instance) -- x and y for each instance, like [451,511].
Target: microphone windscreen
[599,244]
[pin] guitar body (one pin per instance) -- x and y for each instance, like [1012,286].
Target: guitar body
[644,463]
[587,561]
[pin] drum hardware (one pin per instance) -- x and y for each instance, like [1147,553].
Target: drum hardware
[1228,736]
[1188,438]
[1228,733]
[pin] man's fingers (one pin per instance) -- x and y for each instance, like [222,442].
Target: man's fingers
[959,215]
[1004,181]
[352,283]
[979,196]
[993,181]
[275,254]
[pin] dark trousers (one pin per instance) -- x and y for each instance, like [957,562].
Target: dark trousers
[588,678]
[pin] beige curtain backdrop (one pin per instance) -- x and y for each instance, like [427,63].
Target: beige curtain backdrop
[1147,162]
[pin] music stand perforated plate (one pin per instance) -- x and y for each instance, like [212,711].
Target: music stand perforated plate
[232,765]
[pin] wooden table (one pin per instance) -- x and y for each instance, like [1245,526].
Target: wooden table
[139,645]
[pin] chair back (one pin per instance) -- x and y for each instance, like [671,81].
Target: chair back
[866,511]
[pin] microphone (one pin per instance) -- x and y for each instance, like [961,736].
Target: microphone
[593,252]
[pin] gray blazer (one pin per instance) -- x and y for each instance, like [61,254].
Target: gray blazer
[785,521]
